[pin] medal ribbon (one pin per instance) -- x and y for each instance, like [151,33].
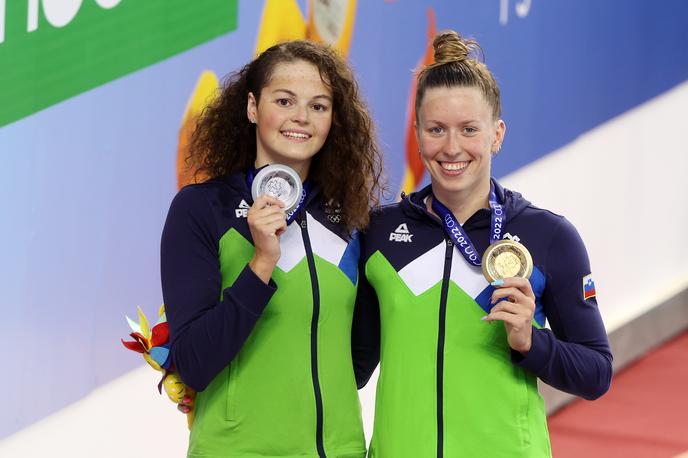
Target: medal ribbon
[459,236]
[291,216]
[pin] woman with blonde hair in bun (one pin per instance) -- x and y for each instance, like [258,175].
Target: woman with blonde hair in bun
[460,278]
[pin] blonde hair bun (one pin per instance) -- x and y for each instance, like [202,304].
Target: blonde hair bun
[458,62]
[450,47]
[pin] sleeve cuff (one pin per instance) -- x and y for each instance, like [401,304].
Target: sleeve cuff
[251,292]
[538,356]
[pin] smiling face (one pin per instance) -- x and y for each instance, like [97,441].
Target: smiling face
[293,116]
[458,135]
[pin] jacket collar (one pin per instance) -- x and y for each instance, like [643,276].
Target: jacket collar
[414,206]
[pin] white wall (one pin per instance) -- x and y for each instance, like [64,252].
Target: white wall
[622,185]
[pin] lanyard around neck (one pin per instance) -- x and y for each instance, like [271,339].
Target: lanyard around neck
[460,237]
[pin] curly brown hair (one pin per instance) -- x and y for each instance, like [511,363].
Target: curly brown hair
[348,167]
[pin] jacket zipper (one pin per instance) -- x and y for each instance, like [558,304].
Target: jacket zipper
[314,337]
[440,347]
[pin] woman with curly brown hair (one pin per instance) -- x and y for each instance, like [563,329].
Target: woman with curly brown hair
[260,309]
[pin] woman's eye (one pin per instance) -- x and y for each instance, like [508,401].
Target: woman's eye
[283,102]
[319,107]
[470,130]
[436,130]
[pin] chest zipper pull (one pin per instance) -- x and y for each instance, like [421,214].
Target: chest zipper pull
[448,252]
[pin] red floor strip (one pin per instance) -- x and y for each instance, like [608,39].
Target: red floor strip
[644,414]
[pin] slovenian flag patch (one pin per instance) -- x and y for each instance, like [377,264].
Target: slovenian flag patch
[588,287]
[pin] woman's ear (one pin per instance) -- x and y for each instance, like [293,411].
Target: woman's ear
[251,108]
[500,131]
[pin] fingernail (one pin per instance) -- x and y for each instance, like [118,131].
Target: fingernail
[484,318]
[498,282]
[186,400]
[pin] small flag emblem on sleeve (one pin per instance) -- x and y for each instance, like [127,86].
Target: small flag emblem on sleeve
[588,287]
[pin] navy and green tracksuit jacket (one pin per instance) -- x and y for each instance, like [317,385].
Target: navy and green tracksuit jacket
[449,384]
[272,364]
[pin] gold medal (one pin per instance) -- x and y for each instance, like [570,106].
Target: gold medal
[505,259]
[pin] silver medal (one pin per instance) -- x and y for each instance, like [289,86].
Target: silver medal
[278,181]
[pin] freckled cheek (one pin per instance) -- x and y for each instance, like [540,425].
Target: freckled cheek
[477,148]
[324,127]
[428,162]
[271,120]
[429,149]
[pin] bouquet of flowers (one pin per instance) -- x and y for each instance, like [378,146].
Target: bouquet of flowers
[153,344]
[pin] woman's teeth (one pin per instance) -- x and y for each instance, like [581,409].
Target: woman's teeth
[298,135]
[453,166]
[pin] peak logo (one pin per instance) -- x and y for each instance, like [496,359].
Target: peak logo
[242,210]
[401,234]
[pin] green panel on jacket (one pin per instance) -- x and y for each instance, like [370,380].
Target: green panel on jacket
[491,407]
[265,397]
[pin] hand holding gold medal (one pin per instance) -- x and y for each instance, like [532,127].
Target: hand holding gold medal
[507,265]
